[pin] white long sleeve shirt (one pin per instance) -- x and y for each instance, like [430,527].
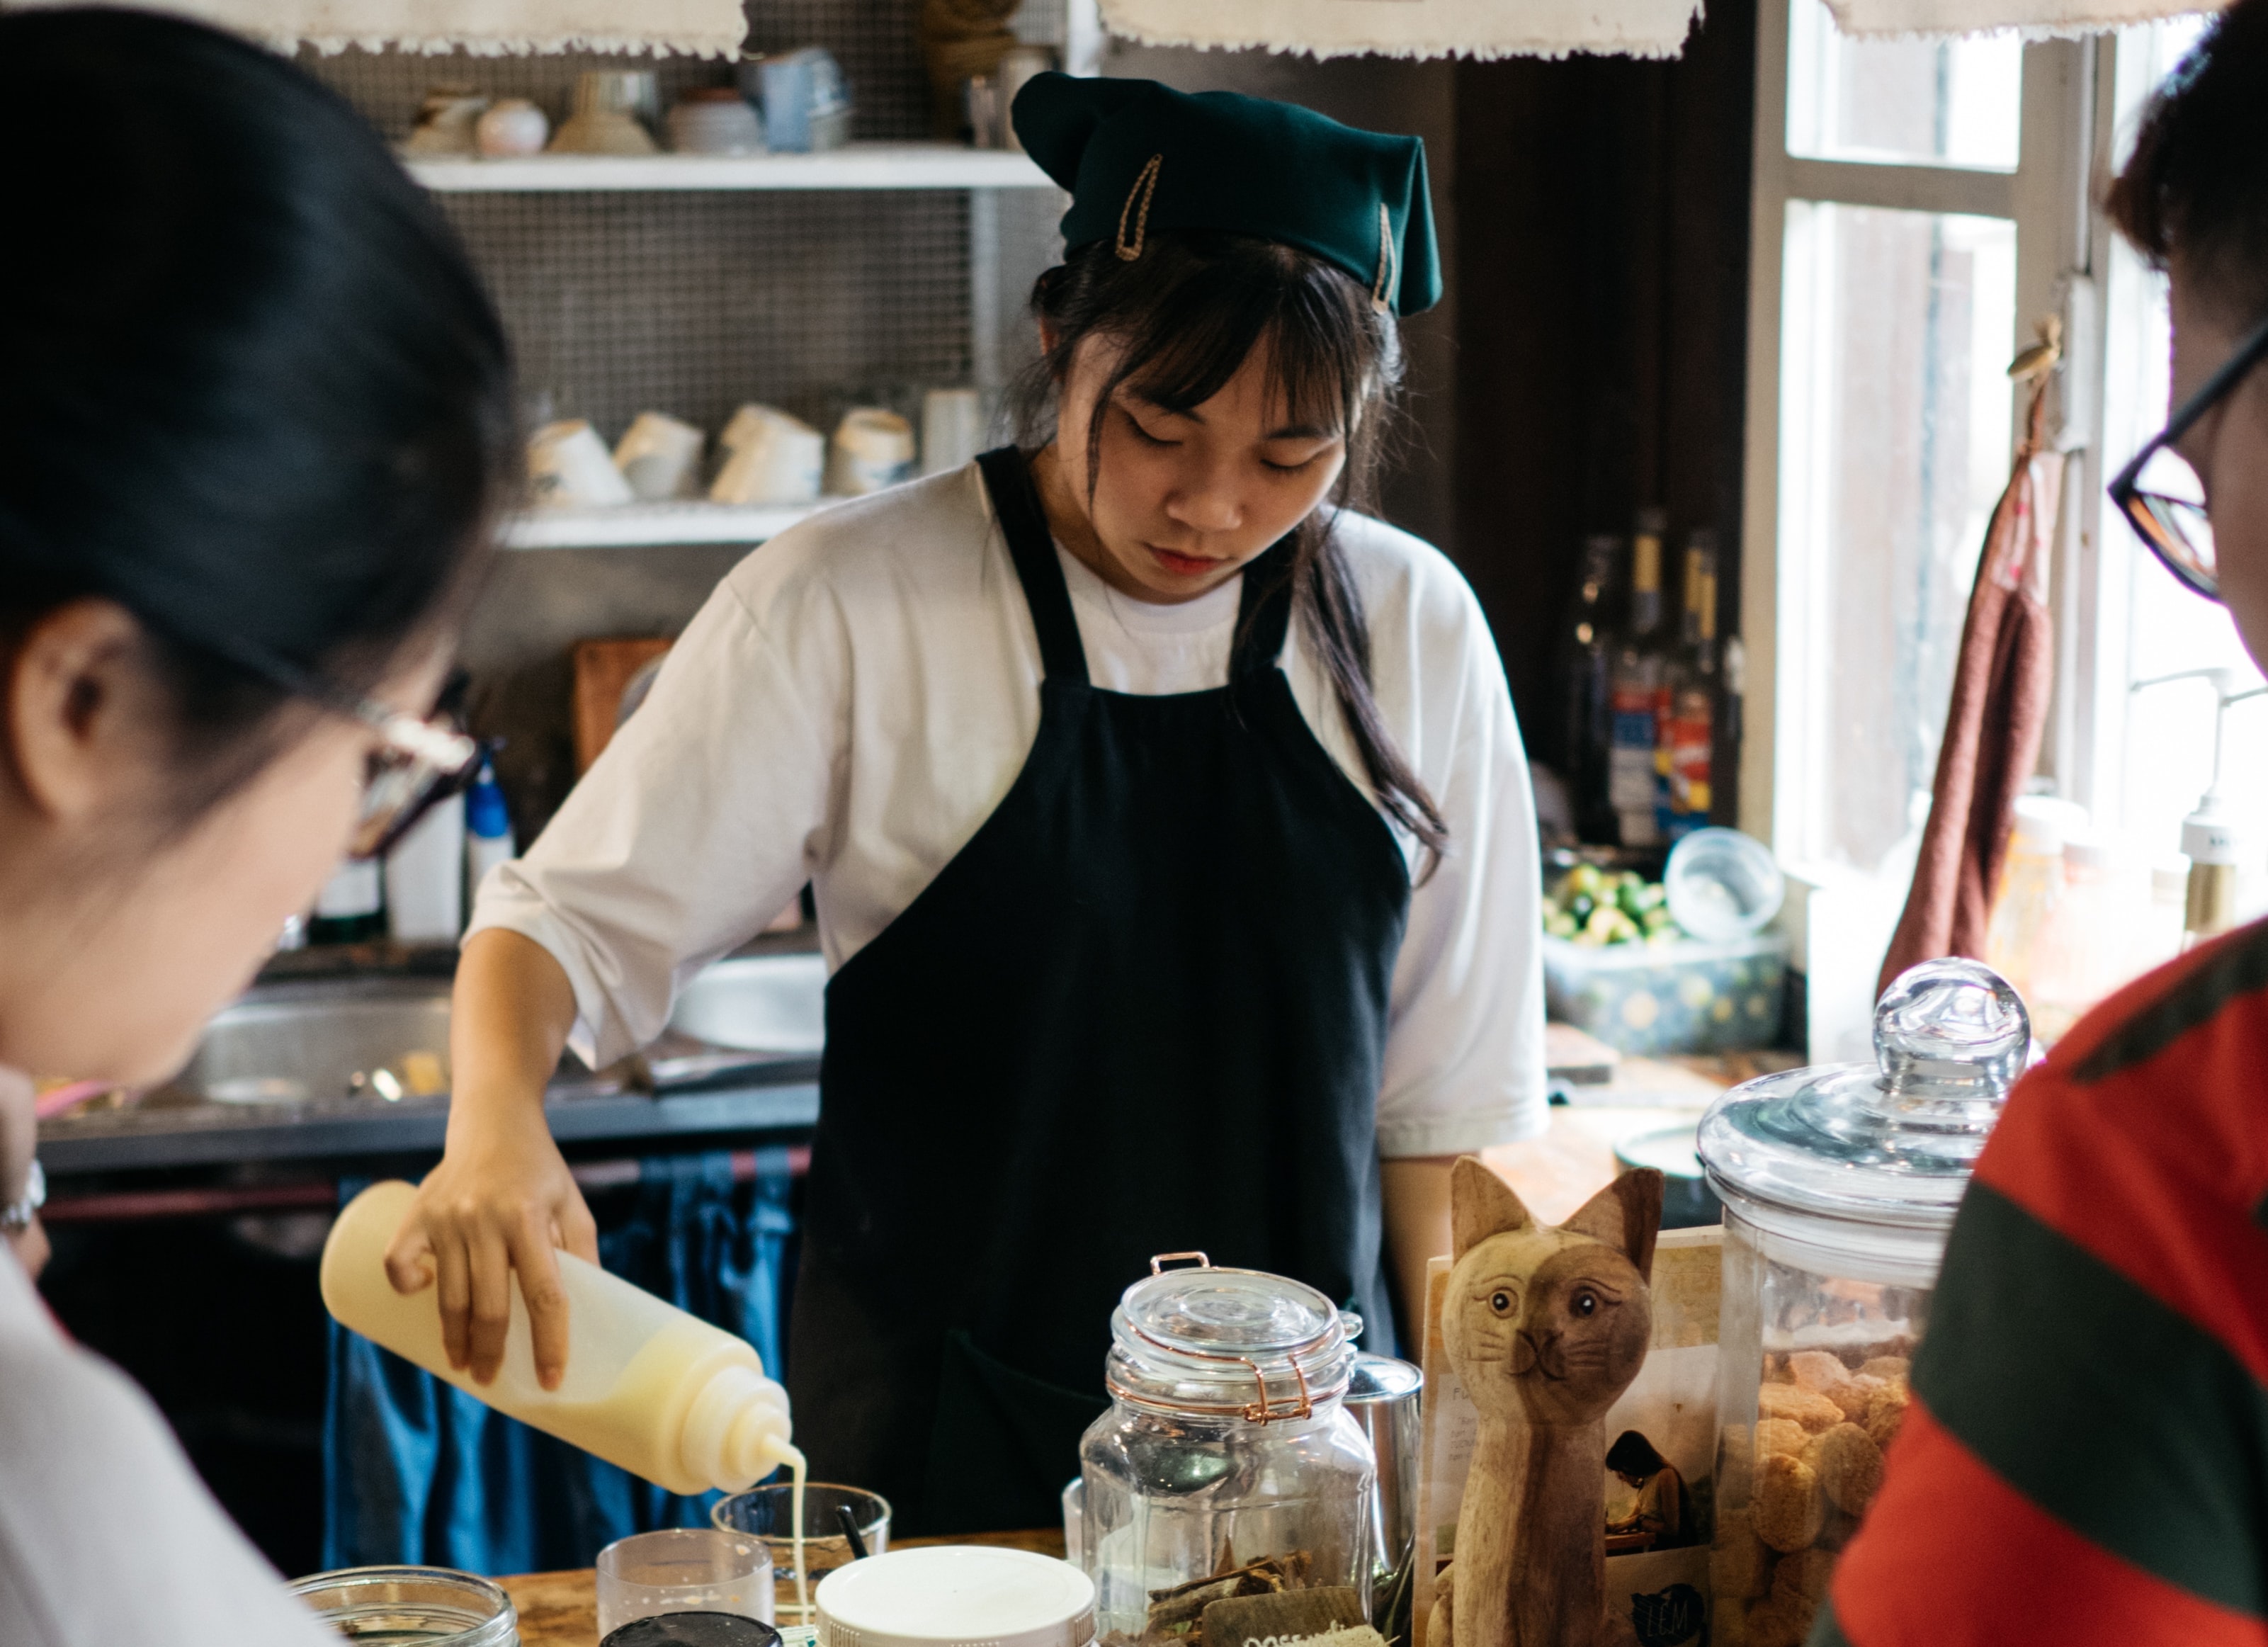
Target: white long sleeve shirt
[107,1535]
[858,696]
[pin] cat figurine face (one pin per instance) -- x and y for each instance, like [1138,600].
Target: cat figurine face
[1549,1325]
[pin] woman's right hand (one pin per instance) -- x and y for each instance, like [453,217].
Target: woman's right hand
[502,1201]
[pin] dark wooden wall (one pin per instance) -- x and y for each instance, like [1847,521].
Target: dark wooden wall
[1601,261]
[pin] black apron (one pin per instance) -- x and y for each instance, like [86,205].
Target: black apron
[1142,1011]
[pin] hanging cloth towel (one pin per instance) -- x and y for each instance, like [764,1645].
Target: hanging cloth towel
[1412,28]
[486,28]
[415,1471]
[2001,682]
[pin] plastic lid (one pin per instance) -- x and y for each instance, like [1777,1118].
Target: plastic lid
[955,1596]
[1227,1343]
[694,1629]
[1891,1143]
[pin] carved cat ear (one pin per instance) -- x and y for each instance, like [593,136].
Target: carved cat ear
[1480,1205]
[1625,1215]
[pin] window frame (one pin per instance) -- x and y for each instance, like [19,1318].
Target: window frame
[2061,247]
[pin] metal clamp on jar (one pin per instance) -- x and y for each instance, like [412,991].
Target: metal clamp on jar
[1839,1183]
[1226,1455]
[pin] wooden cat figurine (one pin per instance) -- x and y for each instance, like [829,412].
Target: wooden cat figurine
[1546,1327]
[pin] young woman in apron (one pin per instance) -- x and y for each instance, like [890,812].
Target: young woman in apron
[1167,822]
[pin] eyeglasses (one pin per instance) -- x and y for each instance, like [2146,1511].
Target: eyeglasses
[2159,494]
[417,763]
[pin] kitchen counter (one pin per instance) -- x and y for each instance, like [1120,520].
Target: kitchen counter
[561,1609]
[779,1097]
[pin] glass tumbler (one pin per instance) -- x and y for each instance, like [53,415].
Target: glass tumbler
[683,1569]
[767,1514]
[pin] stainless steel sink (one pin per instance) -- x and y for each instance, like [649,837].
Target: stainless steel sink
[383,1038]
[768,1003]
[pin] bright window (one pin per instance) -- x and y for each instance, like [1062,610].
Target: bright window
[1928,102]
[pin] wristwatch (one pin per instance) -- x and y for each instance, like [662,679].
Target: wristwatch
[16,1216]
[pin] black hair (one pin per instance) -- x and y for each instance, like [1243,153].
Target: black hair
[250,386]
[2196,184]
[1633,1454]
[1187,314]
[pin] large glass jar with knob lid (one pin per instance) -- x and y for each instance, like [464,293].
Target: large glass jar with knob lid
[1839,1185]
[1226,1455]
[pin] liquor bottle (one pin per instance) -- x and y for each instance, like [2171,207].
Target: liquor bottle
[1584,727]
[1634,692]
[1688,746]
[351,906]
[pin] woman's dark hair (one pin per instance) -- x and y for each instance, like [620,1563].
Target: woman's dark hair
[1185,316]
[1633,1454]
[250,386]
[2196,185]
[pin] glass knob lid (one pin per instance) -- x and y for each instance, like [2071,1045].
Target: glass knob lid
[1892,1142]
[1235,1326]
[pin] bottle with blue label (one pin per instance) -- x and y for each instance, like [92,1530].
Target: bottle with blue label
[488,829]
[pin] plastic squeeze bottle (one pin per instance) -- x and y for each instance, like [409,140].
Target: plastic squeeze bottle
[660,1392]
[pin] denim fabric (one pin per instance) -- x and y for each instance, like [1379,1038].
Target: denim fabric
[416,1471]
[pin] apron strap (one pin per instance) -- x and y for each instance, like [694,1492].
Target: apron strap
[1016,503]
[1264,613]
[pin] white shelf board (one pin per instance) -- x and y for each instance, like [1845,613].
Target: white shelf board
[857,165]
[636,525]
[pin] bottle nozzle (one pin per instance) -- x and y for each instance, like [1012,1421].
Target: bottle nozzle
[736,1431]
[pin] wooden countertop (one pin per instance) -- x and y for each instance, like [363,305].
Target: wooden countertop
[561,1609]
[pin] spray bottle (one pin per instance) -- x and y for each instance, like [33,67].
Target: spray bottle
[2212,837]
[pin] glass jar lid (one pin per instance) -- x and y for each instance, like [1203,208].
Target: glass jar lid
[1888,1143]
[1227,1343]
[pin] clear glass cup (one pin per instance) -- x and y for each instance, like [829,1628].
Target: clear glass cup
[433,1606]
[683,1569]
[767,1513]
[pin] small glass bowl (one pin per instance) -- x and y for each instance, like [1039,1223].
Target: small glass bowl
[433,1606]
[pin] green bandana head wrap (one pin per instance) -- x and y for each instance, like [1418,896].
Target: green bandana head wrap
[1138,157]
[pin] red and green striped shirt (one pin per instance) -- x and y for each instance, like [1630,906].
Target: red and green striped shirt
[2086,1461]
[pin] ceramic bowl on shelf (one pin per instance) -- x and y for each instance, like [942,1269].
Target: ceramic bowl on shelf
[510,128]
[611,107]
[445,121]
[715,120]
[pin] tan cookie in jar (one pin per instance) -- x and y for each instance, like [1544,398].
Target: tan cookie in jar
[1817,1369]
[1788,1506]
[1781,1620]
[1782,1435]
[1884,1414]
[1806,1407]
[1804,1573]
[1740,1566]
[1849,1466]
[1895,1367]
[1854,1395]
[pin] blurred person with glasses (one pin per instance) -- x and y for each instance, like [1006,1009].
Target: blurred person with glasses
[2082,1456]
[255,423]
